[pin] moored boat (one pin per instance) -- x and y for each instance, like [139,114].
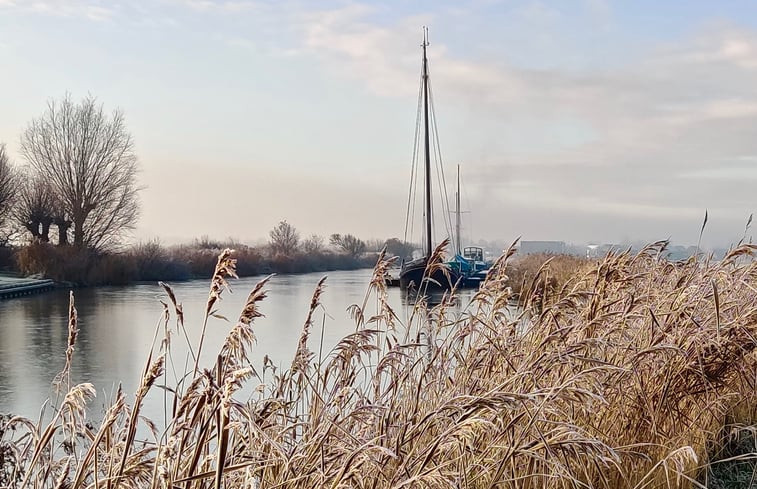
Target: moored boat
[468,263]
[423,273]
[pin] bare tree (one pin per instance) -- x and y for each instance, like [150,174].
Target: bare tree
[348,244]
[8,187]
[284,238]
[38,207]
[397,247]
[88,159]
[34,207]
[374,245]
[313,244]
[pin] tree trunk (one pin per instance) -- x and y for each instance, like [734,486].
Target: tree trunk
[63,227]
[45,234]
[79,233]
[33,228]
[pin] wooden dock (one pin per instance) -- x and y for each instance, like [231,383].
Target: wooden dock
[16,287]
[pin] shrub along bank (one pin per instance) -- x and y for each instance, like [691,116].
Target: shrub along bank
[152,262]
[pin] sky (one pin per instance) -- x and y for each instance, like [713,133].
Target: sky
[582,121]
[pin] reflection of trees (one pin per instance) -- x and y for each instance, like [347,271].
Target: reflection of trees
[6,381]
[29,337]
[112,321]
[47,339]
[44,319]
[89,304]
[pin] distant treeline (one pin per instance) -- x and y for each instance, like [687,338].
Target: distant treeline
[66,211]
[285,252]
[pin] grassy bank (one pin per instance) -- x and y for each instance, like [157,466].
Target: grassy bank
[636,374]
[153,262]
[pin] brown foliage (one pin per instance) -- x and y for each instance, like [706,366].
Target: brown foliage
[622,378]
[527,273]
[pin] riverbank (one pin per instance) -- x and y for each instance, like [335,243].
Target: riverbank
[641,374]
[151,262]
[11,287]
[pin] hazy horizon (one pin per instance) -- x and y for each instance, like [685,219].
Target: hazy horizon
[593,121]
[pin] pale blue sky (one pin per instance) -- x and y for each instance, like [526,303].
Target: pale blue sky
[583,121]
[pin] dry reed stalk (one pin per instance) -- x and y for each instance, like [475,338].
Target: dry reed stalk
[65,375]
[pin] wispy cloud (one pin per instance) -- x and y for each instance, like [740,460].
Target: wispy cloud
[225,6]
[676,112]
[652,126]
[92,10]
[346,40]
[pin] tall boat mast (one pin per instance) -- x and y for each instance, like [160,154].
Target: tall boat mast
[458,240]
[417,274]
[426,143]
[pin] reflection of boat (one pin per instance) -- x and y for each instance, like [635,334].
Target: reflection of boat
[417,273]
[468,263]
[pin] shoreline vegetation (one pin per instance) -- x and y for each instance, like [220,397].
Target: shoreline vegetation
[636,372]
[154,262]
[68,208]
[151,261]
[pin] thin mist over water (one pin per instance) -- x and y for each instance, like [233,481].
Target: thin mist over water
[117,326]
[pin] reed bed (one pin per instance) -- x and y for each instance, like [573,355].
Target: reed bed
[629,376]
[561,269]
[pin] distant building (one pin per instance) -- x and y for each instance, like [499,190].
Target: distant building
[592,251]
[532,247]
[600,250]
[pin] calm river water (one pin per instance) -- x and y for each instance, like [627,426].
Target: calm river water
[117,325]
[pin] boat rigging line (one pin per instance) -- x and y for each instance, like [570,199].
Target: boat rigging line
[435,150]
[411,197]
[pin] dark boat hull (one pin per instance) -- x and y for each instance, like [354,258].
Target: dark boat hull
[413,276]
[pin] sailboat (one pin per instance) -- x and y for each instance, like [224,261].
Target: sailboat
[418,274]
[469,262]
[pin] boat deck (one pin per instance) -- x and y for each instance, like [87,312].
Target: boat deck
[392,281]
[15,287]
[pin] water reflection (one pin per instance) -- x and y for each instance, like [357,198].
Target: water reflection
[433,297]
[117,324]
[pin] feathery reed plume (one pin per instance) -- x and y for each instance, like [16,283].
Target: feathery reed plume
[303,355]
[250,310]
[225,268]
[435,264]
[377,287]
[241,338]
[179,310]
[65,375]
[72,414]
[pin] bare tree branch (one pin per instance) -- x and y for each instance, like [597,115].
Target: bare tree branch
[348,244]
[8,188]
